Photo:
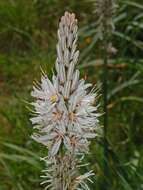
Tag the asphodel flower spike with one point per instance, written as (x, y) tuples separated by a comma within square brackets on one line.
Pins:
[(66, 117)]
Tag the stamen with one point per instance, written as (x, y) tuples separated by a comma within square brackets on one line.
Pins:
[(72, 116), (57, 115), (54, 98)]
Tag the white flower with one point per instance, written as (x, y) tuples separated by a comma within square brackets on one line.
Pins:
[(62, 173), (65, 116), (65, 113)]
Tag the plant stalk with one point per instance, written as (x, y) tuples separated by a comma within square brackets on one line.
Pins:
[(105, 94)]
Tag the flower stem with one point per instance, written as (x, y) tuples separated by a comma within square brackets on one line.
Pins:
[(105, 93)]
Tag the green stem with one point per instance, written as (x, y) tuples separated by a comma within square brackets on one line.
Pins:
[(105, 94), (105, 87)]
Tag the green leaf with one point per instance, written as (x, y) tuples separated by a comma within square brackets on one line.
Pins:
[(21, 150), (134, 4), (21, 158), (124, 183)]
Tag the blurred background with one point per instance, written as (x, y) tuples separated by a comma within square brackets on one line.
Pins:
[(28, 37)]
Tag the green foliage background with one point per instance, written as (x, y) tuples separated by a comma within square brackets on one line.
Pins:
[(27, 41)]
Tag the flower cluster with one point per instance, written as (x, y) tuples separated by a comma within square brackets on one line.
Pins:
[(105, 10), (64, 109), (65, 116), (62, 173)]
